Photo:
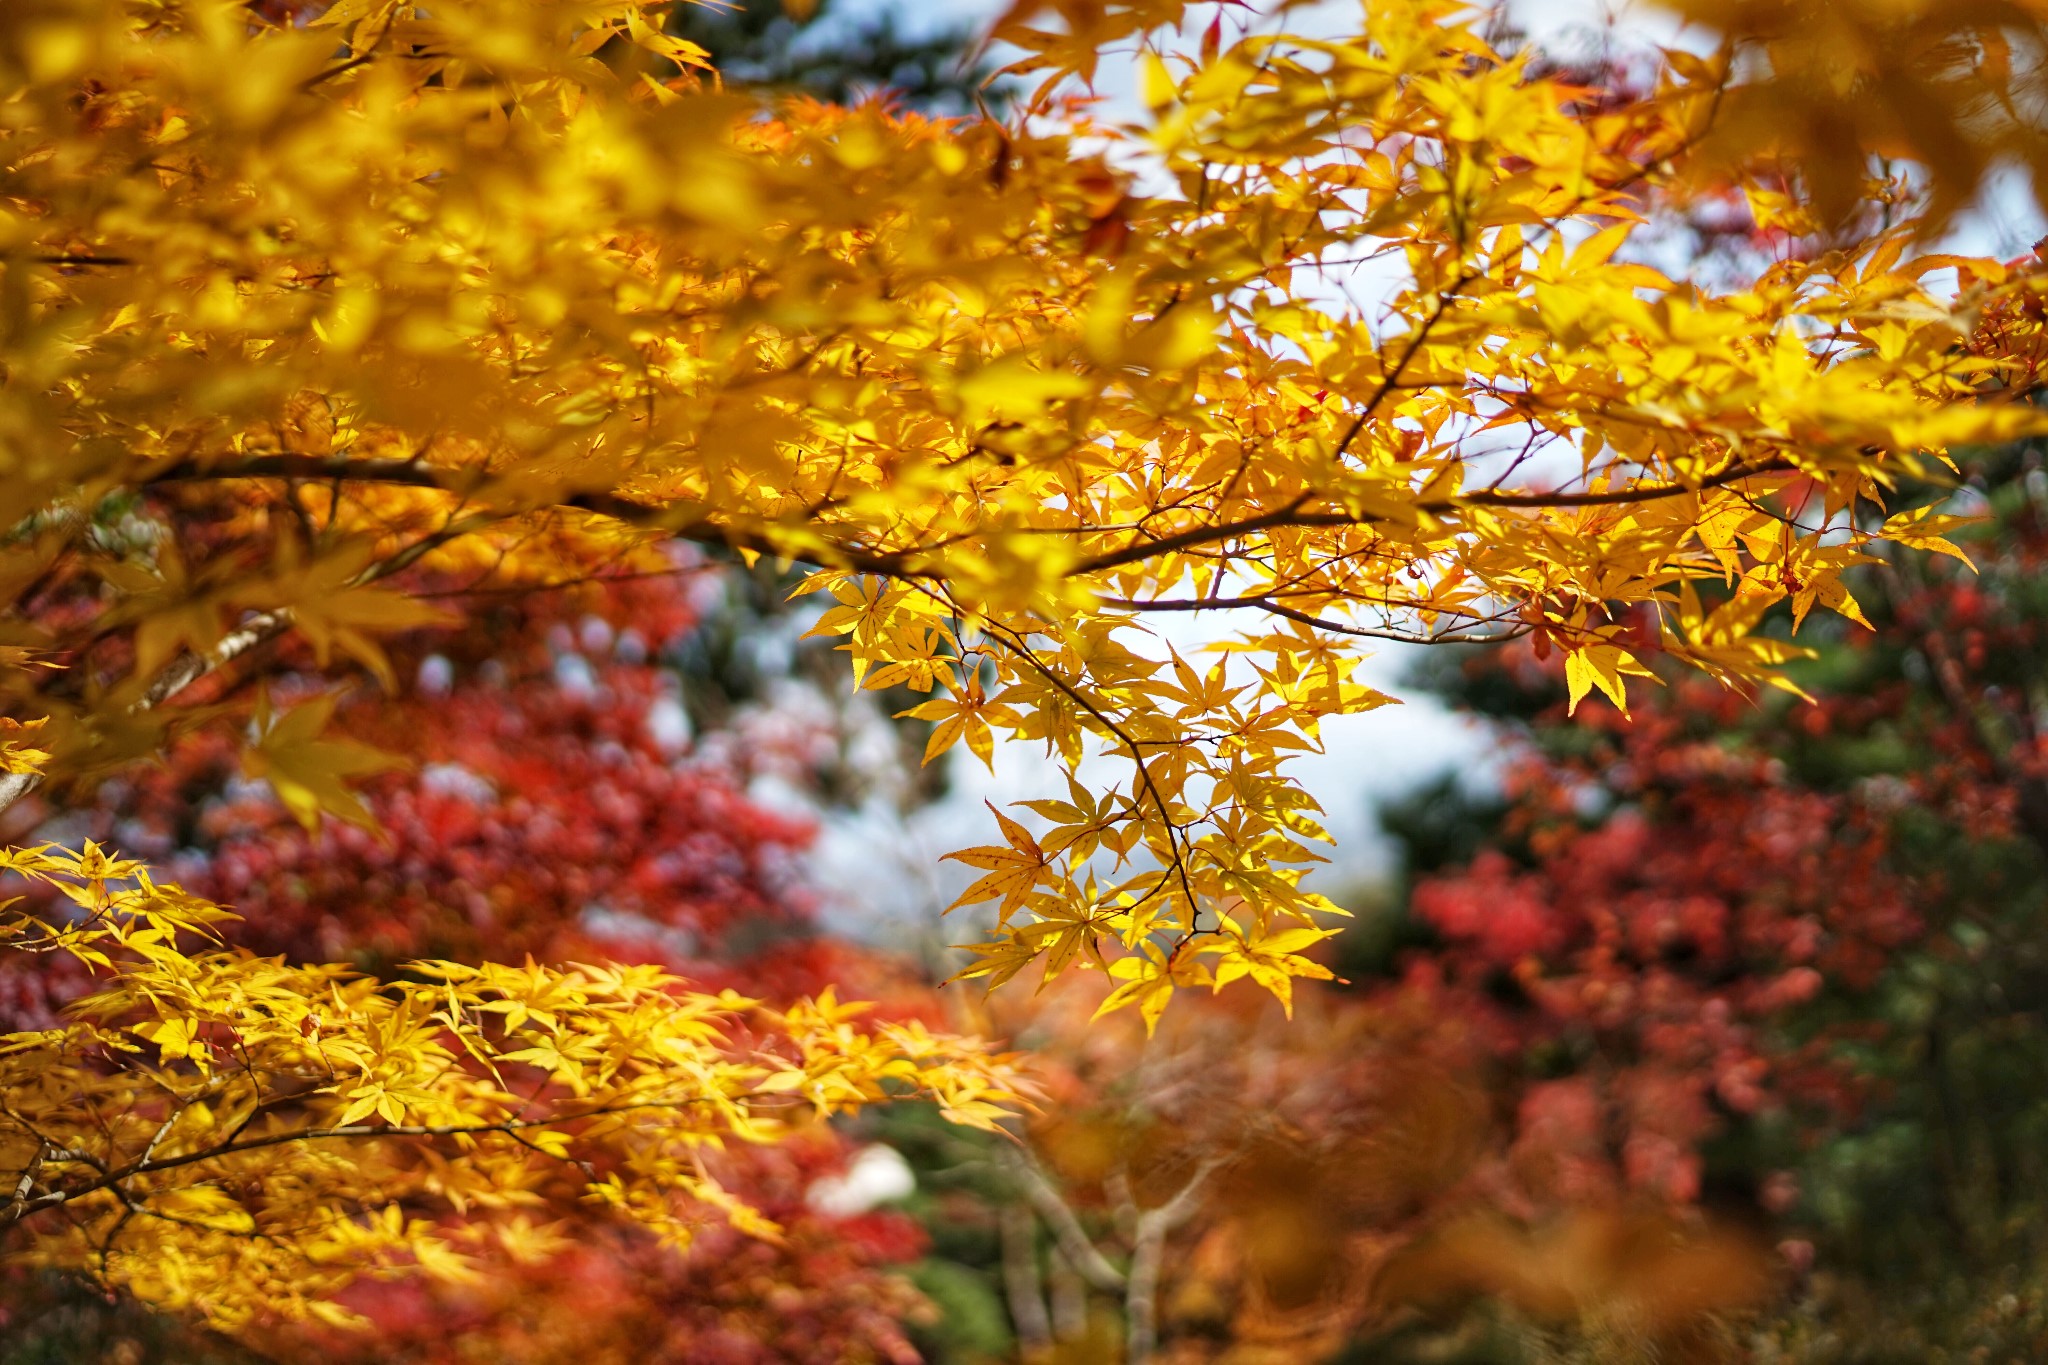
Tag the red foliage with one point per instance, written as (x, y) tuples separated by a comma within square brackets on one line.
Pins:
[(541, 819), (551, 808), (614, 1297), (1674, 940)]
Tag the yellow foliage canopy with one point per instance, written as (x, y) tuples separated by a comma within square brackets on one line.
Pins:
[(502, 287), (235, 1137)]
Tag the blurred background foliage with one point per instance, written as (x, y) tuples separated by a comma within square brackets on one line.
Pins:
[(1716, 1034)]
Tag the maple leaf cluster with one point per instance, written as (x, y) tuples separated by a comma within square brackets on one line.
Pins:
[(239, 1138), (538, 793)]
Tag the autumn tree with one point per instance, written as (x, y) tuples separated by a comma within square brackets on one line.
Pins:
[(1783, 959), (298, 317), (558, 810)]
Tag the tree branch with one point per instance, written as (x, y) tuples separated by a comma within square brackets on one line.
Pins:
[(1148, 1251), (115, 1179), (1072, 1240), (1290, 516), (182, 673), (1022, 1287), (684, 521), (692, 522)]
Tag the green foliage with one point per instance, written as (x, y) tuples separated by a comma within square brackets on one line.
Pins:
[(971, 1323), (56, 1320)]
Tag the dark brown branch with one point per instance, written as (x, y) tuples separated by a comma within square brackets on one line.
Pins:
[(1267, 604), (1392, 379), (115, 1179), (1137, 553), (693, 523), (1290, 515), (1613, 497), (684, 521)]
